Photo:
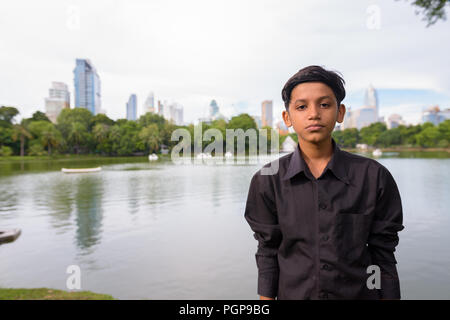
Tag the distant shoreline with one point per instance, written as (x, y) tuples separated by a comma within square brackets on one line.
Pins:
[(400, 149)]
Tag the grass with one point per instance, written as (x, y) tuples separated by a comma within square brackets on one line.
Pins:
[(50, 294)]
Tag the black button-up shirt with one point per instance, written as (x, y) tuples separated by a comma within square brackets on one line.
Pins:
[(317, 237)]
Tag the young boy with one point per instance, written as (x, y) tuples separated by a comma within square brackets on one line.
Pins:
[(327, 221)]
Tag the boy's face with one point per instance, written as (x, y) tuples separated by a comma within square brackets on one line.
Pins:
[(313, 103)]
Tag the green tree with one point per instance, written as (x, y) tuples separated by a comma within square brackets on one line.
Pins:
[(371, 133), (7, 115), (46, 133), (77, 135), (433, 10), (20, 132), (150, 136), (242, 121), (428, 137)]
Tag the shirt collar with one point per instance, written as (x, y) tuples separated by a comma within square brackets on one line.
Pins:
[(337, 164)]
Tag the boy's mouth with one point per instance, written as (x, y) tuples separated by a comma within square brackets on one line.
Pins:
[(314, 127)]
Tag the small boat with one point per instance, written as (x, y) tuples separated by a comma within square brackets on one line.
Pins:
[(81, 170), (9, 235), (204, 156), (152, 157), (377, 153), (228, 154)]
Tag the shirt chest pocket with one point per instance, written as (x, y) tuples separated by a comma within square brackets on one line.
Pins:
[(351, 233)]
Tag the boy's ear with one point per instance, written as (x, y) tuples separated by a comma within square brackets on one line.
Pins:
[(286, 118), (341, 113)]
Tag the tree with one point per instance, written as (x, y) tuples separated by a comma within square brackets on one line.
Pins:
[(242, 121), (51, 137), (7, 115), (433, 10), (39, 116), (371, 133), (100, 118), (151, 138), (46, 133), (20, 132), (77, 135)]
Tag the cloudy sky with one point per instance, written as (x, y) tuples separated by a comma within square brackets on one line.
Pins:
[(237, 52)]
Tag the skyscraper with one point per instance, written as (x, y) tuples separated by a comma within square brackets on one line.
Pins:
[(176, 113), (266, 113), (87, 86), (371, 100), (149, 105), (132, 108), (59, 98), (160, 108), (213, 109)]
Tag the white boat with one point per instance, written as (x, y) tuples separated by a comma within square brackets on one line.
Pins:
[(152, 157), (81, 170), (228, 154), (9, 235), (203, 156), (377, 153)]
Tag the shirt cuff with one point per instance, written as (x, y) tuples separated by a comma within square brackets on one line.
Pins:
[(268, 285)]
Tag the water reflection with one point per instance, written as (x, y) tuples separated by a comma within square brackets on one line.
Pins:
[(89, 213)]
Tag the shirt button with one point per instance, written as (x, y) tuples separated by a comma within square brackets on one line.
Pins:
[(322, 206), (326, 267), (325, 238)]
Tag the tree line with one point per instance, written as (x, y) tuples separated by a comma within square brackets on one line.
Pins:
[(425, 135), (77, 131)]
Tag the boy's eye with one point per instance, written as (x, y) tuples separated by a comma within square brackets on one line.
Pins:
[(301, 107), (325, 105)]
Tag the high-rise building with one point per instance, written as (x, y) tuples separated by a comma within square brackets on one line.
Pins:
[(266, 113), (149, 105), (58, 99), (435, 115), (132, 108), (87, 86), (394, 121), (257, 121), (176, 113), (371, 101), (213, 109), (160, 108), (364, 116)]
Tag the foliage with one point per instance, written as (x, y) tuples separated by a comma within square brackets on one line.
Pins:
[(433, 10), (77, 131)]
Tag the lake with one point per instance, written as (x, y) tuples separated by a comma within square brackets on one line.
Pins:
[(159, 230)]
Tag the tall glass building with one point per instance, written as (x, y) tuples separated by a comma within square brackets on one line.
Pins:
[(132, 108), (87, 86)]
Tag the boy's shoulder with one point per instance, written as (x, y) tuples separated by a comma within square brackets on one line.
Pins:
[(353, 163)]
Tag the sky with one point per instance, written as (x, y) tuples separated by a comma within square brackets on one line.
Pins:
[(236, 52)]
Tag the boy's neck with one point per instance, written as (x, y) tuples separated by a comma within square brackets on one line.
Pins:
[(316, 151)]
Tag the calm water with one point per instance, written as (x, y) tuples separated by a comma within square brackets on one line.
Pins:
[(141, 230)]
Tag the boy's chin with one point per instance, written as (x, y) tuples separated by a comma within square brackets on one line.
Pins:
[(315, 137)]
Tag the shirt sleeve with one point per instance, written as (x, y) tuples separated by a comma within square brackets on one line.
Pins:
[(383, 237), (261, 215)]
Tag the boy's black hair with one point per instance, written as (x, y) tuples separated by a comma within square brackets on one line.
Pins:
[(314, 73)]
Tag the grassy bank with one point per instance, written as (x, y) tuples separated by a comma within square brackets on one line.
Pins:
[(50, 294)]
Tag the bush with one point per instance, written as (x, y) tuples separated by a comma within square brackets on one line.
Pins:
[(5, 151), (36, 149)]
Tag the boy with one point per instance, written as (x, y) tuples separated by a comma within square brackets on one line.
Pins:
[(326, 215)]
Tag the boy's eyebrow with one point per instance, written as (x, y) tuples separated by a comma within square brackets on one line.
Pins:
[(320, 98)]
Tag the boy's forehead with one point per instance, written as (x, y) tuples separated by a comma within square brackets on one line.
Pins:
[(311, 90)]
